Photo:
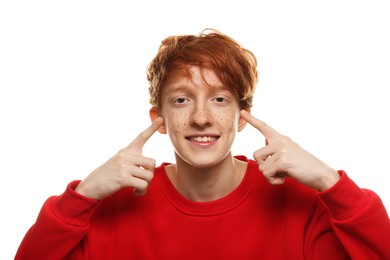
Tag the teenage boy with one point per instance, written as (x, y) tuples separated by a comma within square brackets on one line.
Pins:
[(210, 204)]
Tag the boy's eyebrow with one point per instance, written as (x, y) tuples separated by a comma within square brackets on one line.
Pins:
[(176, 87)]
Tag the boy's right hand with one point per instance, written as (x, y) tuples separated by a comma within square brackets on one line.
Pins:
[(128, 168)]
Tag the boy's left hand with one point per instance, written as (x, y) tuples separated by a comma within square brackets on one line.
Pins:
[(281, 158)]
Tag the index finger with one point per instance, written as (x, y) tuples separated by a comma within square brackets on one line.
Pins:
[(268, 132), (137, 144)]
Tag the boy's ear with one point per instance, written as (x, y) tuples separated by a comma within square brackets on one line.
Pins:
[(154, 114), (242, 122)]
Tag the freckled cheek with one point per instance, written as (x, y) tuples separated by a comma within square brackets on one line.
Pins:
[(176, 122), (227, 118)]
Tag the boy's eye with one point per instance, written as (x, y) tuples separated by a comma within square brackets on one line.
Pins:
[(180, 100), (220, 99)]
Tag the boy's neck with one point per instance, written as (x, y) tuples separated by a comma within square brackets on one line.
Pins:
[(206, 184)]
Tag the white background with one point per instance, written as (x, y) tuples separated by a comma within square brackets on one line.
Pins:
[(74, 91)]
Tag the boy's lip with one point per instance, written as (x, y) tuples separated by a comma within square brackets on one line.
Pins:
[(203, 138), (202, 135)]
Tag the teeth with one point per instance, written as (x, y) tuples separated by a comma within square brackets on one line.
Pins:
[(203, 139)]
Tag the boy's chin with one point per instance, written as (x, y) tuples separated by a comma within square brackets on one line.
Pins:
[(201, 162)]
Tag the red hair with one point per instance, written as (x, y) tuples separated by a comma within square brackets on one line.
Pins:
[(235, 66)]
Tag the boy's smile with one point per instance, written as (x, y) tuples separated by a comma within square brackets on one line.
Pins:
[(201, 116), (205, 139)]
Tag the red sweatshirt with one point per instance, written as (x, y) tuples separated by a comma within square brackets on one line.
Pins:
[(255, 221)]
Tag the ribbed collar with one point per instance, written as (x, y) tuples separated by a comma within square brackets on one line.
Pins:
[(216, 207)]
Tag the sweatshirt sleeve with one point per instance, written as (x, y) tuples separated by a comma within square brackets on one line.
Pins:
[(359, 219), (61, 225)]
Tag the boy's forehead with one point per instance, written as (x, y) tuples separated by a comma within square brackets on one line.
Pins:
[(193, 76)]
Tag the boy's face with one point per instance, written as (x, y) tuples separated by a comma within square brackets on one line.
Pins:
[(201, 118)]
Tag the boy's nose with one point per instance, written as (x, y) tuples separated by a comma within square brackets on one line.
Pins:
[(201, 117)]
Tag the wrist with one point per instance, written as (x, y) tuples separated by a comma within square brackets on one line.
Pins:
[(83, 190), (330, 179)]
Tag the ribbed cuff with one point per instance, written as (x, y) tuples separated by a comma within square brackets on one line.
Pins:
[(72, 207), (344, 199)]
